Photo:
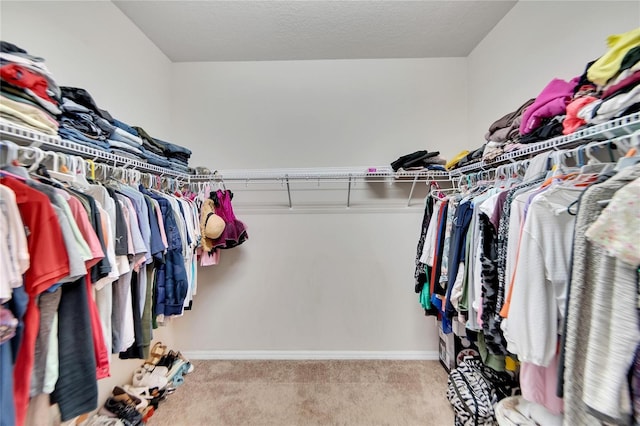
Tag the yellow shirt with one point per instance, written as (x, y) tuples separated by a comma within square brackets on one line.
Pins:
[(608, 65), (455, 160)]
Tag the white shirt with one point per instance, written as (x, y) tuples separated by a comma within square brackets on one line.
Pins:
[(14, 253), (541, 276)]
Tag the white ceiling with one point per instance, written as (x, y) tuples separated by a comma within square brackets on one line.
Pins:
[(194, 31)]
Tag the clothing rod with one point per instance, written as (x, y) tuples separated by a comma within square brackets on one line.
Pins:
[(601, 132), (317, 173), (240, 183)]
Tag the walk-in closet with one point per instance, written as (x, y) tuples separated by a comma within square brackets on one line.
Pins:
[(319, 213)]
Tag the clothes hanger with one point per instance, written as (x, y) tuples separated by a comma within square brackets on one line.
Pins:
[(8, 153), (441, 194), (501, 177), (514, 176), (594, 166), (56, 174), (38, 156), (15, 165), (149, 180), (92, 169), (104, 171), (116, 177), (80, 173), (631, 157)]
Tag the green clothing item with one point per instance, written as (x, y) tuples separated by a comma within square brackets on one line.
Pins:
[(147, 323), (497, 362), (425, 296)]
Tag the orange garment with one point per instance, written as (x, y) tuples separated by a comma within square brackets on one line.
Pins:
[(572, 122)]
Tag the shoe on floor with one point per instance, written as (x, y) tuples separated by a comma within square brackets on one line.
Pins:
[(151, 378), (123, 411), (121, 394)]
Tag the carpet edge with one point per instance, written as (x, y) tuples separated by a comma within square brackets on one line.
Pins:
[(312, 355)]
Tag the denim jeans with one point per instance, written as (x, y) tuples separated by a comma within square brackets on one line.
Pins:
[(116, 136), (7, 414), (77, 137), (170, 148), (171, 278), (124, 126), (136, 150), (155, 159), (179, 168)]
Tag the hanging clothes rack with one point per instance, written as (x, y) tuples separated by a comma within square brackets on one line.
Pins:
[(617, 127), (22, 136), (349, 175), (581, 154)]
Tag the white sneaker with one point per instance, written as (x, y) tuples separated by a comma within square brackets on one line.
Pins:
[(141, 392), (155, 378)]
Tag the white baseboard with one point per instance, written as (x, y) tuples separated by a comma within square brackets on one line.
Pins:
[(316, 355)]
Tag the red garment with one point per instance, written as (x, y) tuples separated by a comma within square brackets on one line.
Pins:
[(88, 233), (20, 76), (632, 80), (99, 346), (436, 259), (49, 259), (49, 264), (571, 121)]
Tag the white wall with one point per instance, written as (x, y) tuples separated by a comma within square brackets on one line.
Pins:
[(316, 281), (94, 46), (534, 43), (312, 282), (319, 113)]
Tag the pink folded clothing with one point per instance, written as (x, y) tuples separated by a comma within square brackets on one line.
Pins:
[(571, 121), (552, 101)]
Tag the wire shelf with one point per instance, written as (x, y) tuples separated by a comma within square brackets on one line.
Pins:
[(24, 136), (618, 127), (615, 128), (322, 173)]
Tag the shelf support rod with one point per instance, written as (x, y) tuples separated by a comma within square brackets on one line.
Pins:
[(413, 186), (349, 192), (288, 190)]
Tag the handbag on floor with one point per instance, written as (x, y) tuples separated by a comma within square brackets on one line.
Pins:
[(473, 389)]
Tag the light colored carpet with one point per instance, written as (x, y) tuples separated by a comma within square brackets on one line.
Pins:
[(288, 393)]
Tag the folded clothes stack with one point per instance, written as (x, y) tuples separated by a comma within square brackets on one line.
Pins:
[(608, 88), (29, 96), (470, 157), (82, 125), (176, 156), (503, 132), (419, 160)]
